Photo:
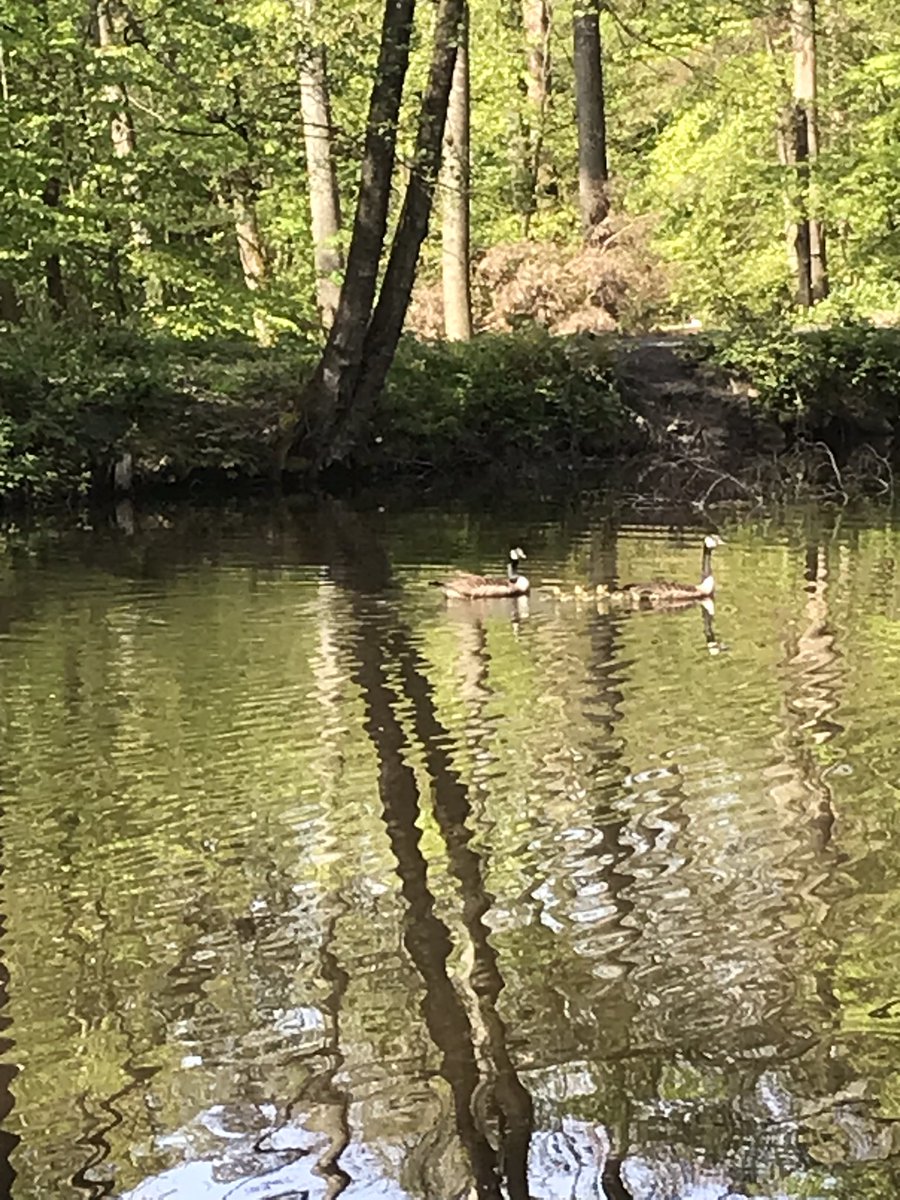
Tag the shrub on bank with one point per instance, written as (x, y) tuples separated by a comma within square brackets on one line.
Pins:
[(844, 376), (70, 407), (517, 399)]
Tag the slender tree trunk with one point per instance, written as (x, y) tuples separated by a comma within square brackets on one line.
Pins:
[(251, 250), (536, 29), (812, 277), (593, 172), (784, 142), (53, 276), (120, 122), (324, 201), (455, 232), (249, 241), (10, 306), (124, 142), (330, 390)]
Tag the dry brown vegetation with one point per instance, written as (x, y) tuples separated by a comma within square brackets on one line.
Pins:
[(616, 284)]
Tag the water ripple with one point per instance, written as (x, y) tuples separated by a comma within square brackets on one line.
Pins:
[(315, 884)]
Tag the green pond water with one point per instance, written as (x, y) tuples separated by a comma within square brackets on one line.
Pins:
[(315, 885)]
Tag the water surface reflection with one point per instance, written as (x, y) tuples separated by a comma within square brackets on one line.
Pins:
[(318, 886)]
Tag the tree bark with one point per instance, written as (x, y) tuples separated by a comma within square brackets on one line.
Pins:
[(10, 305), (249, 241), (324, 200), (124, 143), (812, 276), (329, 392), (251, 249), (593, 171), (455, 232), (386, 325), (536, 27), (784, 141), (120, 122), (53, 276)]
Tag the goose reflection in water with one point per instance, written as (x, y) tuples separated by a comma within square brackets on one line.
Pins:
[(708, 612), (514, 609)]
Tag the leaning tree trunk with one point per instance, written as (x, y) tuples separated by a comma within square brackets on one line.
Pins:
[(593, 172), (812, 277), (324, 201), (329, 393), (455, 230), (341, 394), (386, 325)]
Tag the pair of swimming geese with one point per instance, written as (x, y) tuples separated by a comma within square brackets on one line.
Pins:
[(657, 591)]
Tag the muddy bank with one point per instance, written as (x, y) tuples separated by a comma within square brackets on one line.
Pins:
[(713, 432)]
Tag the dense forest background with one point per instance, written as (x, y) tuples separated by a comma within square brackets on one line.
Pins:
[(154, 162), (193, 171)]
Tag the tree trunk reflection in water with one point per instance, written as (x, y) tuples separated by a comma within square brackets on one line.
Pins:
[(608, 770), (383, 638), (327, 1104), (452, 809), (331, 1101), (100, 1148), (813, 675), (426, 937), (8, 1070)]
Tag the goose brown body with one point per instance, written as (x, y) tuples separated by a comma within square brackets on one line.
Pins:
[(666, 591), (465, 586)]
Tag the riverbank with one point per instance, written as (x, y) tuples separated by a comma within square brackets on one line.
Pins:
[(762, 412)]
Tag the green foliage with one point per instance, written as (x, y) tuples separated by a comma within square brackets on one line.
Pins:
[(848, 372), (721, 205), (694, 97), (72, 406), (502, 398), (148, 239), (181, 407)]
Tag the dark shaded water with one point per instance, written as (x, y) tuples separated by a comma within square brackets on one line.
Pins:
[(314, 885)]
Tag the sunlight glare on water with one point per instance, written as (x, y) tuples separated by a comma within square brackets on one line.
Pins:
[(317, 884)]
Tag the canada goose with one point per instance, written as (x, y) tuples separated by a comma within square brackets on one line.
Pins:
[(481, 587), (664, 591)]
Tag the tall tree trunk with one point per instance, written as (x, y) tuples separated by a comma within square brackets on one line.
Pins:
[(536, 29), (120, 122), (330, 390), (455, 231), (812, 277), (124, 142), (590, 108), (784, 141), (324, 200)]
